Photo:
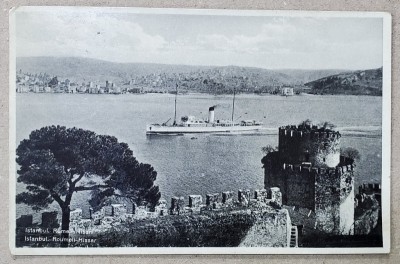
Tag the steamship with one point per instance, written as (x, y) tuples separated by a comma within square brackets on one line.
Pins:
[(191, 124)]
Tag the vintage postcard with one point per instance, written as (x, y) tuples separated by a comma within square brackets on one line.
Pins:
[(180, 131)]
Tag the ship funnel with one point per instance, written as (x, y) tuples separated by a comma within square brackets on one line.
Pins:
[(211, 114)]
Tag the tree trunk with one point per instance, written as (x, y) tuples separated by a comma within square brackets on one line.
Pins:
[(65, 226)]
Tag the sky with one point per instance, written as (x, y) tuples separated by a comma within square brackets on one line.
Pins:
[(272, 42)]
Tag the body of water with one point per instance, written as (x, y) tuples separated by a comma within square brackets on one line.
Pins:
[(206, 163)]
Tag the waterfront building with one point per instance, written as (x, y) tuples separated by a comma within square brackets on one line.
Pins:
[(287, 91)]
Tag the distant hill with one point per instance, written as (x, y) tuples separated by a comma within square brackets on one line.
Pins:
[(366, 82), (210, 79), (305, 76), (85, 69)]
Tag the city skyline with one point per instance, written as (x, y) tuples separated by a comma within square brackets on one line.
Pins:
[(271, 42)]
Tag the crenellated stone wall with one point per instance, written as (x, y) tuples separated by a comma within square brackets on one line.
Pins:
[(250, 218), (225, 200), (311, 174), (314, 144), (117, 214), (270, 229)]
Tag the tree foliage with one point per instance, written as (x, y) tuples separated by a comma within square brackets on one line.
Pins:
[(53, 81), (305, 123), (327, 125), (351, 153), (56, 162), (267, 149)]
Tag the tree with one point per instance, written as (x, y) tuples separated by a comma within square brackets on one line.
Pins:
[(267, 149), (53, 81), (305, 123), (351, 153), (56, 162), (327, 125)]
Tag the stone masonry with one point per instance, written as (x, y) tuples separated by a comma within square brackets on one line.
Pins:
[(310, 173)]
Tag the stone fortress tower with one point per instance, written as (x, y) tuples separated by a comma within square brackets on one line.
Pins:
[(311, 173)]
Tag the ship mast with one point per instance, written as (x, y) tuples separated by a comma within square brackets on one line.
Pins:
[(176, 95), (233, 103)]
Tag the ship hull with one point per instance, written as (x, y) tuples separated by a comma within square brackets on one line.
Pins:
[(158, 130)]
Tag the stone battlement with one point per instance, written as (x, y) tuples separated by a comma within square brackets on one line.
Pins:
[(116, 214), (312, 132), (219, 201), (307, 168), (370, 188), (367, 193), (320, 146)]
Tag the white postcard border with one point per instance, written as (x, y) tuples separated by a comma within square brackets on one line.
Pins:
[(386, 136)]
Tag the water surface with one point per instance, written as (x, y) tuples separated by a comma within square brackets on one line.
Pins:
[(206, 163)]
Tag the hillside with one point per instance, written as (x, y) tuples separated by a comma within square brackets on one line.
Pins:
[(209, 79), (305, 76), (80, 69), (366, 82)]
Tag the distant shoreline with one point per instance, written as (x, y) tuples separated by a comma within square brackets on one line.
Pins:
[(198, 93), (80, 75)]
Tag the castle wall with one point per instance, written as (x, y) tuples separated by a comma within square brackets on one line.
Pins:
[(327, 201), (334, 200), (298, 186), (347, 200), (229, 222), (311, 174), (270, 230), (368, 215), (326, 157), (327, 217), (217, 229), (329, 192), (347, 215), (316, 145)]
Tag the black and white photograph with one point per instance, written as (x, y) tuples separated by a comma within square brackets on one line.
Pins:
[(184, 131)]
